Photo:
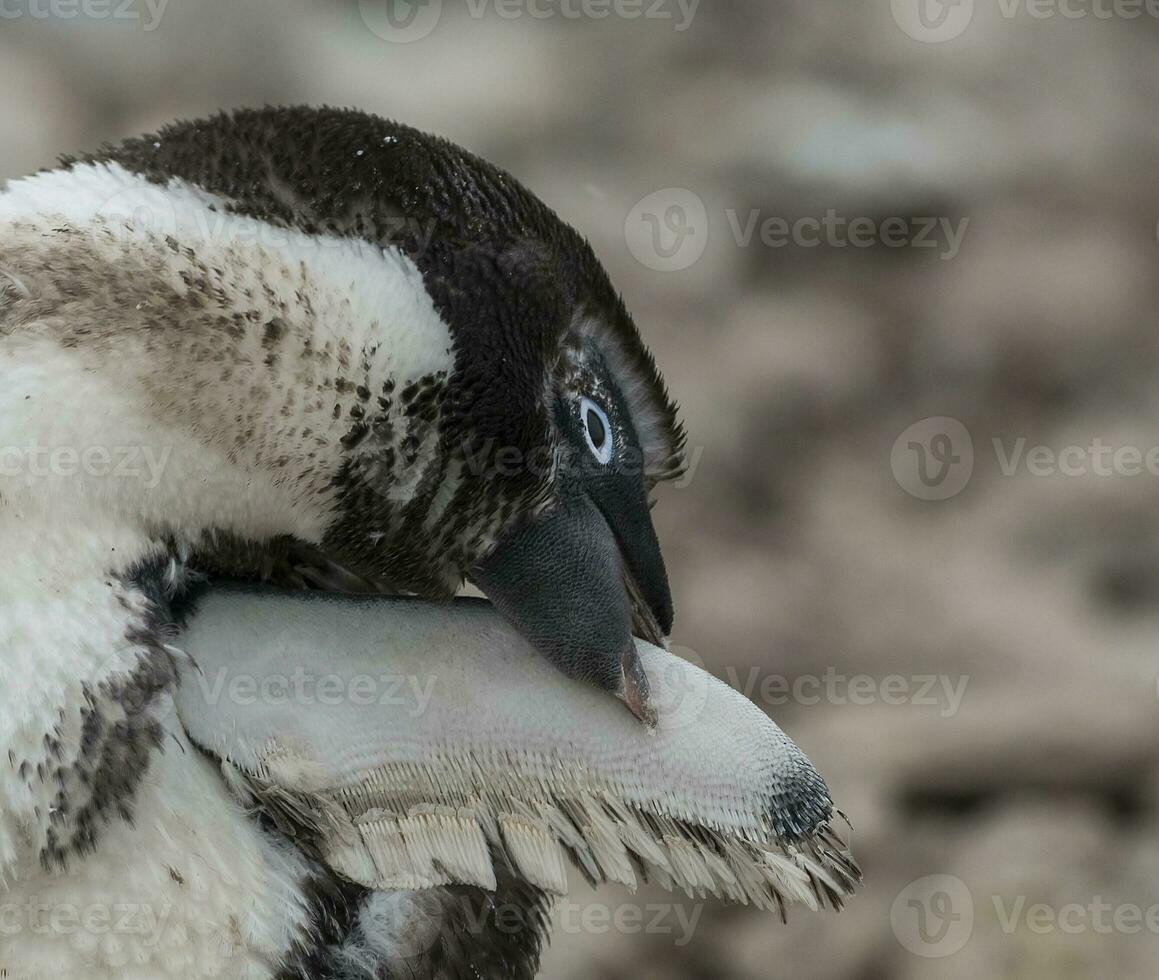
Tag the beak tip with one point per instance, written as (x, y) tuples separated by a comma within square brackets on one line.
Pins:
[(636, 690)]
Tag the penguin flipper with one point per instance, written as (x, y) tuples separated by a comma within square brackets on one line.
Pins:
[(406, 743)]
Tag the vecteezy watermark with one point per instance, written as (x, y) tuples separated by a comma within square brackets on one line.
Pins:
[(1096, 915), (933, 916), (143, 464), (833, 230), (41, 918), (933, 459), (1095, 458), (940, 691), (404, 21), (934, 21), (630, 919), (147, 12), (668, 230), (491, 460), (599, 919), (429, 910), (680, 694), (301, 687), (401, 21)]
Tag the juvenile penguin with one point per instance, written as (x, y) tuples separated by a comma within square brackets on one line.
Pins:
[(287, 339)]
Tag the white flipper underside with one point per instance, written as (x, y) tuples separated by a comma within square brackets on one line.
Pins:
[(414, 743)]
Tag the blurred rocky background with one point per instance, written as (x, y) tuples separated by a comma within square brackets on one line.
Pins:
[(834, 221)]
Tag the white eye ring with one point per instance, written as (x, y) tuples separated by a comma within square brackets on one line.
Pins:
[(603, 450)]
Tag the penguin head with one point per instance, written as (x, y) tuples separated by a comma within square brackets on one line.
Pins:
[(526, 461), (557, 414), (578, 568)]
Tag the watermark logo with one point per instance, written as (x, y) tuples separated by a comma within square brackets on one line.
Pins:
[(303, 687), (1096, 458), (134, 214), (933, 459), (401, 21), (629, 919), (492, 460), (667, 231), (933, 21), (425, 912), (677, 12), (680, 694), (1097, 916), (419, 916), (674, 920), (833, 230), (139, 922), (147, 13), (942, 692), (34, 462), (404, 21), (933, 917)]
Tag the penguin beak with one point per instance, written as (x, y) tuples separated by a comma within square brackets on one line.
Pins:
[(579, 582)]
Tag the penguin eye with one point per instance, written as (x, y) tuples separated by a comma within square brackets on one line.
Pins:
[(597, 429)]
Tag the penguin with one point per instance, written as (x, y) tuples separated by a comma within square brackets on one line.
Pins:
[(296, 342)]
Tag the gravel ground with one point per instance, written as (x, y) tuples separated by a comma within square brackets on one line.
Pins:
[(830, 229)]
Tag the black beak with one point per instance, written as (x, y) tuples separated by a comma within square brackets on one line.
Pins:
[(579, 581)]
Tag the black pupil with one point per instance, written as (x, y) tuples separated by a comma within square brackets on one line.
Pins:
[(596, 429)]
